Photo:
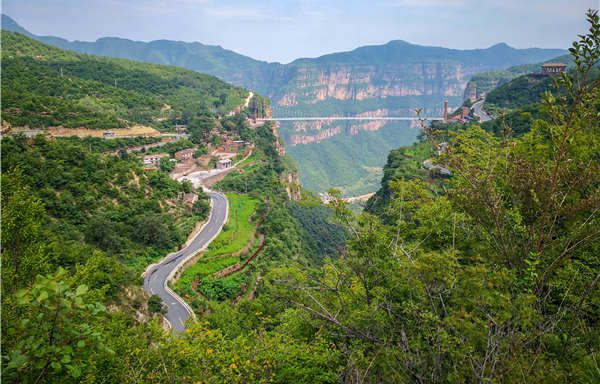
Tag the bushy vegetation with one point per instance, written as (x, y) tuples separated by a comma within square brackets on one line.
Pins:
[(403, 163), (97, 144), (92, 200), (523, 90), (237, 234), (44, 86), (491, 276), (324, 237)]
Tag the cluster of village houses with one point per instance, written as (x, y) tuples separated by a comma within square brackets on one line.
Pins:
[(221, 154)]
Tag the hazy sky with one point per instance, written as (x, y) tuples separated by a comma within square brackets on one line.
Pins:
[(287, 29)]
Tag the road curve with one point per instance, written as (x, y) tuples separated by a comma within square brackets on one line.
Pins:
[(157, 275), (479, 112)]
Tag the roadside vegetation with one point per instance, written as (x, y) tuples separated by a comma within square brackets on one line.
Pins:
[(228, 248), (488, 276)]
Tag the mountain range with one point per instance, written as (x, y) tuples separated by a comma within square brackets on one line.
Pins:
[(376, 67), (383, 80)]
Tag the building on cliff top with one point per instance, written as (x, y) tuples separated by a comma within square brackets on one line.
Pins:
[(553, 68)]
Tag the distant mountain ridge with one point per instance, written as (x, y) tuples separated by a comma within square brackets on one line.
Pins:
[(383, 80), (45, 86), (272, 78), (214, 60)]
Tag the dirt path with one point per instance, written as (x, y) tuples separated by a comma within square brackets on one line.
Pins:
[(364, 197), (247, 102)]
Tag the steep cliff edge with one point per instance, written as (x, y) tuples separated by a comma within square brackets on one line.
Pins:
[(384, 80)]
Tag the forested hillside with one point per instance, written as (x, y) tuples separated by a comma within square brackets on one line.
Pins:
[(482, 83), (44, 86), (519, 102), (390, 79), (489, 274)]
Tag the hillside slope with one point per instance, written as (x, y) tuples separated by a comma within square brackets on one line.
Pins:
[(227, 65), (482, 83), (45, 86), (386, 80)]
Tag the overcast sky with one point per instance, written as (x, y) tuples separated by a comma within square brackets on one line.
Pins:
[(282, 30)]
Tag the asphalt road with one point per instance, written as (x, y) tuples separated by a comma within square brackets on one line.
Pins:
[(478, 111), (157, 275)]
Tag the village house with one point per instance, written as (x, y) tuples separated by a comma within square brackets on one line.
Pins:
[(224, 164), (185, 154), (443, 171), (154, 160), (553, 68), (442, 147), (463, 115), (180, 128)]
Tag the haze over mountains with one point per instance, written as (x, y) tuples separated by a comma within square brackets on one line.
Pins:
[(386, 80)]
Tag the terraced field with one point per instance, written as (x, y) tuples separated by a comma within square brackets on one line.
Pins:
[(233, 243)]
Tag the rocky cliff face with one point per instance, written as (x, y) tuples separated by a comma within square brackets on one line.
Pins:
[(313, 84), (385, 80), (366, 90)]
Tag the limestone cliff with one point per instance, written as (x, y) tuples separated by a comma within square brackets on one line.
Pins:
[(386, 80)]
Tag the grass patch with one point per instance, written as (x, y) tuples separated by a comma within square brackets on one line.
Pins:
[(239, 230), (236, 234), (222, 289)]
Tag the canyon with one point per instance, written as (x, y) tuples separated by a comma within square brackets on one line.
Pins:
[(390, 79)]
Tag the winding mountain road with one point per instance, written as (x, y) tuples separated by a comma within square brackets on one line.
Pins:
[(158, 275), (479, 112)]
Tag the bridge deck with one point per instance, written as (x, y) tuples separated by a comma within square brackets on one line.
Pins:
[(332, 118)]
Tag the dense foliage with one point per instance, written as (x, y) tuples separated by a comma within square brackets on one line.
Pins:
[(403, 163), (45, 86), (490, 276), (495, 280), (88, 204), (523, 90)]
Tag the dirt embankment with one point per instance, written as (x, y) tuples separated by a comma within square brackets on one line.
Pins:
[(364, 197), (134, 131)]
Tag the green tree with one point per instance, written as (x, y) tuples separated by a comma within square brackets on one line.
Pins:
[(495, 278), (22, 218), (51, 331), (166, 164), (153, 230), (155, 305)]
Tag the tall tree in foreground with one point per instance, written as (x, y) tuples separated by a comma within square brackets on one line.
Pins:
[(497, 279)]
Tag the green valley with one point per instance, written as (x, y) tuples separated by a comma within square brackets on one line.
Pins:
[(208, 255), (391, 79), (358, 158)]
